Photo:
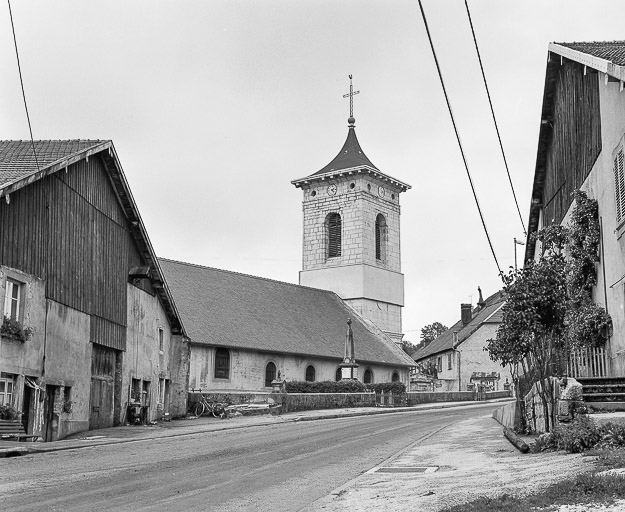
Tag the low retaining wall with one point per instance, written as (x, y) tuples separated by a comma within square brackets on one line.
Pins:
[(231, 397), (310, 401), (415, 398), (506, 415)]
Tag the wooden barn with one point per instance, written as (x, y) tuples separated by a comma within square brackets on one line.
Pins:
[(90, 336)]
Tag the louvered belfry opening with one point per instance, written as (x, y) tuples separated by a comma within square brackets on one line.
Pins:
[(380, 236), (334, 235), (619, 184)]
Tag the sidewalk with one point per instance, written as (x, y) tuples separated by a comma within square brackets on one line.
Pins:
[(193, 425)]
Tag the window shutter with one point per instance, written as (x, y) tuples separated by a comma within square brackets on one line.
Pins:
[(334, 235), (619, 184)]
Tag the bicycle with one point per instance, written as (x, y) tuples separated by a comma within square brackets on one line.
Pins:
[(205, 406)]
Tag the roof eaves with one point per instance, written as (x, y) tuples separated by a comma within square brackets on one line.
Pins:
[(349, 171), (126, 200)]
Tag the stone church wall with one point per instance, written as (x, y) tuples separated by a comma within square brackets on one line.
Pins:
[(247, 369)]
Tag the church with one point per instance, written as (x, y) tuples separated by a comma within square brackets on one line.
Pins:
[(245, 330)]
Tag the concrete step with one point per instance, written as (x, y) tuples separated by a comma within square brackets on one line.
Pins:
[(615, 406), (601, 381)]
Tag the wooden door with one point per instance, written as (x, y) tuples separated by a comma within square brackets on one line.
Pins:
[(101, 415)]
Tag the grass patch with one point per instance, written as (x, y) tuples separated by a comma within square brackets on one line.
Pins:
[(582, 489)]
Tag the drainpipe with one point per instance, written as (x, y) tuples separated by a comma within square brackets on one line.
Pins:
[(605, 298), (453, 346)]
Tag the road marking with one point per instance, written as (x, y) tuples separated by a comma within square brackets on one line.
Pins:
[(402, 469)]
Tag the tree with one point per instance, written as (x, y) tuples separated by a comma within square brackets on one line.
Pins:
[(549, 309), (408, 347), (432, 331)]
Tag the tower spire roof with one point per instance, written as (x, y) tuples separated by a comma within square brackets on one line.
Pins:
[(350, 156)]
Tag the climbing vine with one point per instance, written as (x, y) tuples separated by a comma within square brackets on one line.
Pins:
[(587, 324)]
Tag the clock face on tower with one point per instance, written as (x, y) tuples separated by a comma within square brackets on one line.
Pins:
[(332, 190), (381, 191)]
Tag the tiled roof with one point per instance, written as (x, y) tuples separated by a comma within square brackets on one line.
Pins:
[(613, 51), (350, 156), (247, 312), (17, 159), (489, 314)]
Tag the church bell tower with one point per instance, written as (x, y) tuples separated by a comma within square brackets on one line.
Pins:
[(351, 234)]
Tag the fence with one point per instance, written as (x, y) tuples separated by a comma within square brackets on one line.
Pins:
[(588, 362)]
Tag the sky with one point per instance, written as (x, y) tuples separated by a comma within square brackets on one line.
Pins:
[(214, 107)]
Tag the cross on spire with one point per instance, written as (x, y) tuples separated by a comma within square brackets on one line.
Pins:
[(351, 95)]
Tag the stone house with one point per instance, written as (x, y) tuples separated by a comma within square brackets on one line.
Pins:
[(581, 145), (247, 330), (458, 354), (90, 327)]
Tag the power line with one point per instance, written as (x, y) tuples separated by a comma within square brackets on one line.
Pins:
[(503, 154), (19, 68), (453, 122)]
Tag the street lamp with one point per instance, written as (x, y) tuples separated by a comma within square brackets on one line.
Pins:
[(516, 242)]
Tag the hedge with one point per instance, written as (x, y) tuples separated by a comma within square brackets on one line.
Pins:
[(343, 386)]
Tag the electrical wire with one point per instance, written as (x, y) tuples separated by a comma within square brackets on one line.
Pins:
[(453, 122), (19, 69), (492, 110)]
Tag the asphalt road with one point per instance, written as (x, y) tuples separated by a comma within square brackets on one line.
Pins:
[(280, 467)]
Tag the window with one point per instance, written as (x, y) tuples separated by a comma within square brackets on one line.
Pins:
[(222, 364), (333, 229), (449, 361), (619, 183), (12, 299), (368, 376), (310, 373), (380, 237), (338, 375), (395, 377), (270, 374), (160, 339), (6, 390), (439, 363)]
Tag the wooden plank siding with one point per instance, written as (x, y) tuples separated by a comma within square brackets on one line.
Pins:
[(69, 229), (576, 138)]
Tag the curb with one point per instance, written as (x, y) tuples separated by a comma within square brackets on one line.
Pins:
[(24, 450)]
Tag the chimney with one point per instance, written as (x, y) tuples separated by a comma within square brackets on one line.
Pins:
[(465, 313)]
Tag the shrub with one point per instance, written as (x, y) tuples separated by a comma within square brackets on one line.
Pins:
[(580, 435), (15, 330), (396, 388), (8, 413), (327, 386)]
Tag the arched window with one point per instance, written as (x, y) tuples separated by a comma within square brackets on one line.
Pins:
[(310, 373), (368, 376), (395, 377), (380, 237), (270, 374), (338, 375), (222, 364), (333, 230)]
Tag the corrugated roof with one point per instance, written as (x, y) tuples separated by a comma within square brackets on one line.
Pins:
[(350, 156), (489, 314), (613, 51), (235, 310), (17, 159)]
